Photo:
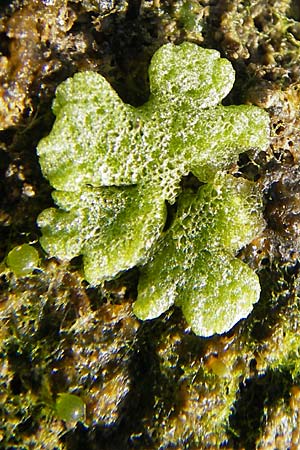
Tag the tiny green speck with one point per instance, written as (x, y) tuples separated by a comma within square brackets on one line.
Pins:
[(70, 407)]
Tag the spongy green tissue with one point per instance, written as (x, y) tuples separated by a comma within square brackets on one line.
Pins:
[(114, 167)]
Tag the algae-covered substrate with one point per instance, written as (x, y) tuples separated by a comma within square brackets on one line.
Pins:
[(78, 368)]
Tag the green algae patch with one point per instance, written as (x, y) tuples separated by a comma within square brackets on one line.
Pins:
[(114, 167)]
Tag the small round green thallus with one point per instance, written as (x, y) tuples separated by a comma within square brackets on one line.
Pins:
[(22, 260), (70, 408)]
